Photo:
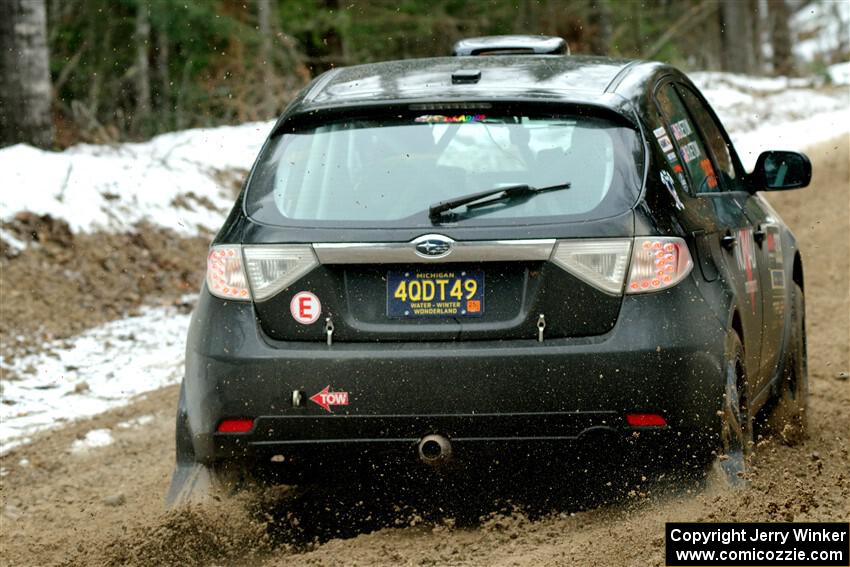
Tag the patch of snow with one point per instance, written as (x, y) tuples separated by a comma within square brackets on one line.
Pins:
[(136, 423), (114, 187), (102, 368), (839, 73), (93, 439), (14, 243)]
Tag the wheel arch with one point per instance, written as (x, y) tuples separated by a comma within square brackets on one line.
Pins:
[(738, 326), (797, 271)]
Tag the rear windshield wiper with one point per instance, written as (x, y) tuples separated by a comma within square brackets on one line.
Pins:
[(509, 192)]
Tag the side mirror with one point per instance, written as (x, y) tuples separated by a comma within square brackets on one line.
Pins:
[(779, 170)]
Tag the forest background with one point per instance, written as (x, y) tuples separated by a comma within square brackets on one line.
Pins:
[(105, 71)]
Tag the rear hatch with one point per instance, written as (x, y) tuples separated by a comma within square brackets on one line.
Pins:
[(355, 196)]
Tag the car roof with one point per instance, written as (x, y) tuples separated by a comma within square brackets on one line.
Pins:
[(579, 79)]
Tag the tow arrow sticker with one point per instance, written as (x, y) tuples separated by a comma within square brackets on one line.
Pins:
[(327, 399)]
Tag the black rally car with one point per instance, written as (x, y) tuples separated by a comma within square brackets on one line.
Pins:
[(508, 247)]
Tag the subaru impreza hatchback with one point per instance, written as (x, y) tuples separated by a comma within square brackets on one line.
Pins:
[(509, 247)]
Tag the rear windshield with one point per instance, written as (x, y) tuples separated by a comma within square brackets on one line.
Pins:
[(388, 171)]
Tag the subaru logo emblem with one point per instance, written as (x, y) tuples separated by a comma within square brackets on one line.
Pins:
[(433, 246)]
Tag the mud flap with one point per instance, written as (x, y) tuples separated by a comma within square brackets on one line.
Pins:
[(191, 483)]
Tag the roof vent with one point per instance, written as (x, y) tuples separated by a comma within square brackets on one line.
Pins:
[(511, 45)]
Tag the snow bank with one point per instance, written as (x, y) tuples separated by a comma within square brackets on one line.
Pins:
[(775, 113), (98, 370), (168, 181)]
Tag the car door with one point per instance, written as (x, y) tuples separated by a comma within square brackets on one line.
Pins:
[(764, 246), (725, 232)]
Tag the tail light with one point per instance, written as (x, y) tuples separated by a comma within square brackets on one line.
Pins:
[(601, 263), (658, 263), (258, 272), (225, 276), (272, 268)]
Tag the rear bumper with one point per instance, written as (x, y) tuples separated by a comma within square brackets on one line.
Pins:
[(664, 355)]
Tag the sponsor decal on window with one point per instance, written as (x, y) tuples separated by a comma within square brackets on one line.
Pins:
[(440, 119), (710, 178), (681, 129), (680, 174), (663, 139), (690, 151)]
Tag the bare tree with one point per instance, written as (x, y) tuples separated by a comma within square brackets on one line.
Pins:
[(737, 53), (25, 74), (780, 37), (142, 74)]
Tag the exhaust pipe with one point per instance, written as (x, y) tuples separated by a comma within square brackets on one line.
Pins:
[(434, 450)]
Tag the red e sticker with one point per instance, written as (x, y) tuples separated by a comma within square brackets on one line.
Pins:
[(305, 307)]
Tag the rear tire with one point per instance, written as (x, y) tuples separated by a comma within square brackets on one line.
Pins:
[(736, 423), (789, 419)]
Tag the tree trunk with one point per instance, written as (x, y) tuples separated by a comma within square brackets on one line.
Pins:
[(736, 26), (142, 75), (264, 20), (756, 34), (780, 37), (599, 18), (839, 54), (25, 74), (163, 102), (711, 46)]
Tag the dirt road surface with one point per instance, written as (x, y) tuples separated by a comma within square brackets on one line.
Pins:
[(104, 506)]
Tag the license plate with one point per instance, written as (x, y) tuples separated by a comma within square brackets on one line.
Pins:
[(435, 293)]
